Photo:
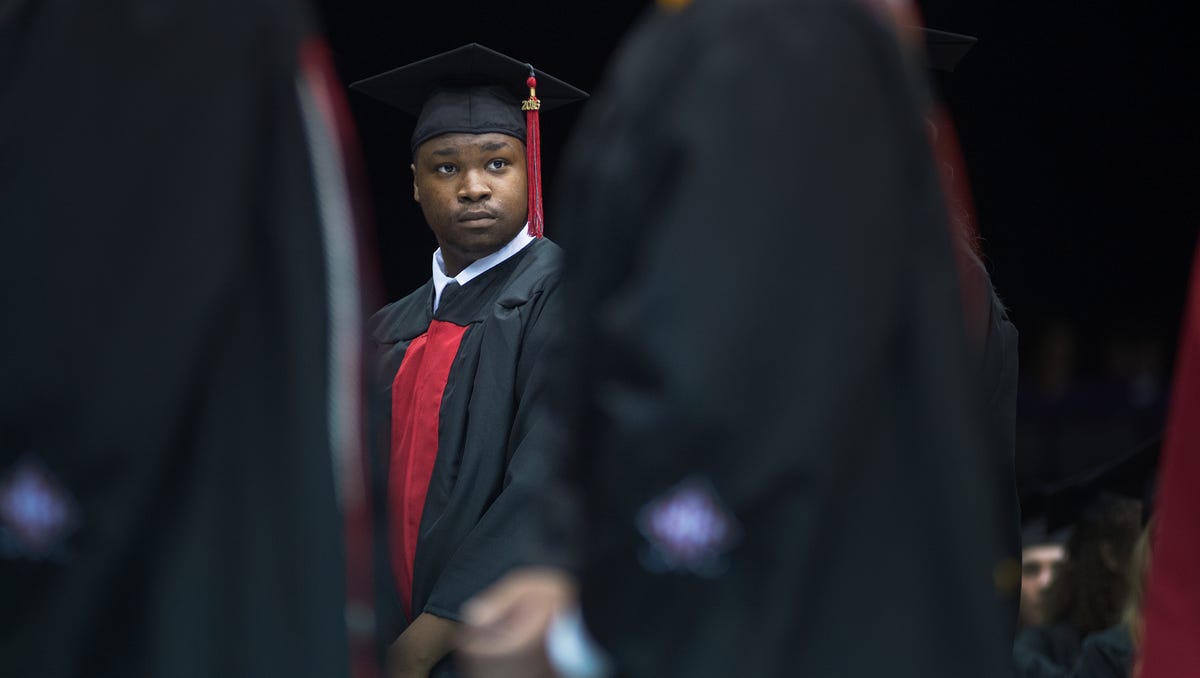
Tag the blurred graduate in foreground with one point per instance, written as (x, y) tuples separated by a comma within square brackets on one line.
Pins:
[(781, 458), (180, 415)]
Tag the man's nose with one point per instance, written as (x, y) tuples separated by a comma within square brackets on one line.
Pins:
[(474, 187)]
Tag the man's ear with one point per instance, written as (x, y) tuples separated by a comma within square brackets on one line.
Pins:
[(416, 191)]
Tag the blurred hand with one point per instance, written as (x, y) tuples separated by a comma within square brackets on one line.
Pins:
[(505, 630), (426, 640)]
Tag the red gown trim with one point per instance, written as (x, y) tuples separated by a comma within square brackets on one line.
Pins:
[(417, 393)]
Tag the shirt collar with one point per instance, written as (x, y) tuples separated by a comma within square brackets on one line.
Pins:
[(477, 267)]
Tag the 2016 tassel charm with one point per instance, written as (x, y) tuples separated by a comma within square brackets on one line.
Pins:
[(533, 157)]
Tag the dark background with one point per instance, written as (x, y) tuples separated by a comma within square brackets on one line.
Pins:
[(1075, 122)]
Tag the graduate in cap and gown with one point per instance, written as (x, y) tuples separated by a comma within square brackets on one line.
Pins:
[(460, 361), (782, 458)]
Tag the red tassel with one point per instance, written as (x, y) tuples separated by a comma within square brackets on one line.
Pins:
[(533, 158)]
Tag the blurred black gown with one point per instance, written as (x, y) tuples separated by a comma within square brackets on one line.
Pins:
[(173, 390), (766, 340)]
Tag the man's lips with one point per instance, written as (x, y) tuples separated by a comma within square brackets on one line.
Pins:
[(476, 216)]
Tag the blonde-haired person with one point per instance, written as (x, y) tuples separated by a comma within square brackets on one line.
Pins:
[(1113, 652), (1137, 595)]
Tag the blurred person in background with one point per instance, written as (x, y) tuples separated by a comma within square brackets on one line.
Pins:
[(1042, 555), (1088, 606), (1112, 653), (1089, 592)]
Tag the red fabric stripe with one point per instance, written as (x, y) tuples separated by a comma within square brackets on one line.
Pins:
[(1171, 648), (320, 80), (904, 17), (960, 209), (417, 393)]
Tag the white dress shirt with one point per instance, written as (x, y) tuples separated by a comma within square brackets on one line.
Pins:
[(477, 267)]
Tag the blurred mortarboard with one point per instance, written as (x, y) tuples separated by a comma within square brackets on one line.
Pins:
[(1036, 532), (1129, 476), (476, 90), (944, 49)]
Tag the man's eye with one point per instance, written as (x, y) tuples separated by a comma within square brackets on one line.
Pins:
[(446, 168), (497, 164)]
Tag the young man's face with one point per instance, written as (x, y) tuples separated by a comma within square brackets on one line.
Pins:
[(1038, 566), (472, 190)]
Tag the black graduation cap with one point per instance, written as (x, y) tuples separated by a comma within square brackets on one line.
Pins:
[(476, 90), (471, 89), (944, 49), (1036, 531), (1132, 475)]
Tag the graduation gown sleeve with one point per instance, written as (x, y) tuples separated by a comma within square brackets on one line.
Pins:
[(501, 538)]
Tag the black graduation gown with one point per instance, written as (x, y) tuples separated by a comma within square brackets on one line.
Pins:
[(1047, 650), (490, 429), (1107, 654), (168, 382), (1060, 651), (762, 298)]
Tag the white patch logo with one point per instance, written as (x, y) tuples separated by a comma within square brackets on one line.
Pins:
[(35, 509), (688, 530)]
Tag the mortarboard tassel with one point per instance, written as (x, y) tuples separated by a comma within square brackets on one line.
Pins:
[(533, 157)]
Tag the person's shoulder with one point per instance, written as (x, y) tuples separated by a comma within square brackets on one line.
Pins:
[(1048, 635), (1107, 653), (547, 255), (404, 318), (539, 270), (1058, 643), (1114, 643), (546, 265)]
